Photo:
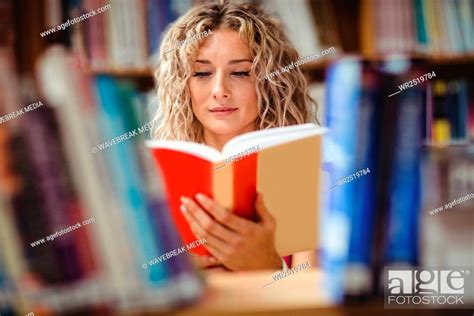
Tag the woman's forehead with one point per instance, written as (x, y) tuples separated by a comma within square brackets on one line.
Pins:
[(224, 44)]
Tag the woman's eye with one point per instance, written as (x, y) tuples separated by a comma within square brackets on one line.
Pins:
[(241, 73), (201, 74)]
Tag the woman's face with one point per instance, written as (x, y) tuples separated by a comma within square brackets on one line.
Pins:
[(223, 92)]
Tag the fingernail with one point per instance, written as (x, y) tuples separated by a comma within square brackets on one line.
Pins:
[(200, 197), (183, 208), (183, 199)]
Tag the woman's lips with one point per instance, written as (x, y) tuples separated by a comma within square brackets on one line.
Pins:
[(222, 111)]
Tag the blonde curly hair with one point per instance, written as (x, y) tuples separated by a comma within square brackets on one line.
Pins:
[(282, 100)]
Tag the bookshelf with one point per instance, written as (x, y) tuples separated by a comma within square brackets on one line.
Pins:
[(350, 26)]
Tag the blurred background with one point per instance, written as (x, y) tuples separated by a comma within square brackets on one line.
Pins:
[(93, 81)]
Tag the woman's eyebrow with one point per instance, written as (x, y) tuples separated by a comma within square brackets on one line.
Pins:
[(234, 61)]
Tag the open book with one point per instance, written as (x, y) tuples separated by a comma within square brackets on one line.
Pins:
[(282, 163)]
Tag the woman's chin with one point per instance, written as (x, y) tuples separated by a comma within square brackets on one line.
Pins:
[(227, 129), (222, 128)]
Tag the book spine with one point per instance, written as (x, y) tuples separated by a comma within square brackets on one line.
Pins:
[(128, 182), (6, 295), (41, 134), (114, 35), (368, 25), (83, 240), (153, 20), (433, 31), (382, 29), (183, 276), (360, 261), (441, 22), (453, 26), (465, 10), (96, 35), (441, 122), (12, 267), (428, 134), (470, 114), (340, 146), (297, 18), (409, 13), (404, 185), (421, 26), (462, 117), (141, 37)]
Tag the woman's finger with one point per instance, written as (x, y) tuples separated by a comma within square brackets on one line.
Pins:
[(218, 253), (200, 232), (211, 226), (222, 215)]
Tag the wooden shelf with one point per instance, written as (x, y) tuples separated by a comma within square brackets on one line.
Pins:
[(122, 72), (435, 60), (452, 144)]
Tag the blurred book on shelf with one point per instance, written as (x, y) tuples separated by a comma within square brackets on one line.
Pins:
[(447, 238), (380, 219), (299, 24), (311, 26), (317, 92), (126, 35), (7, 297), (435, 28), (450, 113)]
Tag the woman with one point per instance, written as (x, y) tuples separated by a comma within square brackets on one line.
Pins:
[(212, 89)]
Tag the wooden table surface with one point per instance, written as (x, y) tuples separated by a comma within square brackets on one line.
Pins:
[(244, 293), (299, 294)]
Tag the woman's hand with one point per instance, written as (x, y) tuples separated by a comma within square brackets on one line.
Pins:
[(237, 243)]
